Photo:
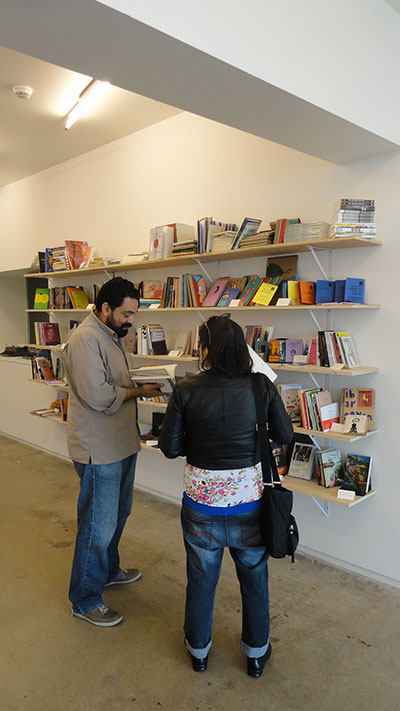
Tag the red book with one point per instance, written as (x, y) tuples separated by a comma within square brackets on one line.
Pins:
[(50, 334)]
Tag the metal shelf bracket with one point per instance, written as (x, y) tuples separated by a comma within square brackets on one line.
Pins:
[(324, 506)]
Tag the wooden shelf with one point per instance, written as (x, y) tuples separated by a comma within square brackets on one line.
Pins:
[(252, 309), (60, 347), (56, 419), (249, 253), (348, 372), (60, 386), (312, 488), (57, 311), (333, 435)]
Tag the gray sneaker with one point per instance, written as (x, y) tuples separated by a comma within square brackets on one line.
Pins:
[(101, 617), (126, 576)]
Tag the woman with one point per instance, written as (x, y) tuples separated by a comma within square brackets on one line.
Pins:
[(211, 418)]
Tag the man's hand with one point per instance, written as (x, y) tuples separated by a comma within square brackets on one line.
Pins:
[(146, 390)]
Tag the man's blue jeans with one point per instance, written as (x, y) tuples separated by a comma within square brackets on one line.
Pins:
[(104, 504), (205, 538)]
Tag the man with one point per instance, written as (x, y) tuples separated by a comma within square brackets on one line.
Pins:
[(103, 442)]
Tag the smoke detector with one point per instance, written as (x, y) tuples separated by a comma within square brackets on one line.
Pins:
[(22, 92)]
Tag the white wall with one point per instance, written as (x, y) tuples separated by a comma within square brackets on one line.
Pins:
[(185, 168), (12, 309), (340, 56)]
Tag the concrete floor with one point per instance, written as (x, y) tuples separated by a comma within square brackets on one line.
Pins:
[(335, 636)]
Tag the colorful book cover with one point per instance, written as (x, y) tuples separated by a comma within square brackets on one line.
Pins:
[(78, 297), (264, 294), (42, 297), (293, 291), (228, 296), (324, 291), (293, 346), (50, 334), (358, 401), (329, 414), (354, 290), (307, 292), (331, 467), (357, 473), (199, 286), (250, 289), (215, 292)]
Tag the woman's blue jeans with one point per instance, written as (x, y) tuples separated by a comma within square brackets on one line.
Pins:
[(205, 538), (104, 504)]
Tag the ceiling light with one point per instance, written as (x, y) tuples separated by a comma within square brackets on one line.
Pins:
[(86, 99)]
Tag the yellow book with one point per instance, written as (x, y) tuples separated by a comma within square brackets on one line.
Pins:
[(264, 294), (293, 291)]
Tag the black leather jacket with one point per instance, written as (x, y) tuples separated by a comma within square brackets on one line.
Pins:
[(211, 419)]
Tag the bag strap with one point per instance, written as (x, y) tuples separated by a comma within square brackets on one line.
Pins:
[(267, 458)]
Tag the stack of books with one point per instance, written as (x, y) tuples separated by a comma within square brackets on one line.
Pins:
[(305, 231), (353, 216), (222, 241), (259, 239), (185, 247)]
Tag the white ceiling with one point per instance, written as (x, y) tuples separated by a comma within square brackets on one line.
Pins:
[(32, 134)]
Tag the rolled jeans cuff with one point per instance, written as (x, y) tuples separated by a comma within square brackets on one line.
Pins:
[(253, 652), (198, 653)]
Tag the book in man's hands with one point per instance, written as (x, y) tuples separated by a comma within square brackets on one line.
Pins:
[(150, 374)]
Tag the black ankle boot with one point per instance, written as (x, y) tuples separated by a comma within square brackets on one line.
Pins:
[(255, 665), (199, 665)]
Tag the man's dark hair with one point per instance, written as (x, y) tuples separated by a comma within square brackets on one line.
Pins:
[(114, 292), (227, 350)]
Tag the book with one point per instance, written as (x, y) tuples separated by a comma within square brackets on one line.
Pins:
[(306, 231), (156, 338), (50, 334), (293, 346), (151, 289), (78, 296), (75, 252), (280, 227), (302, 461), (357, 474), (349, 352), (338, 290), (329, 414), (355, 424), (161, 241), (358, 401), (330, 467), (199, 289), (215, 292), (290, 399), (44, 368), (324, 291), (250, 289), (307, 292), (155, 374), (248, 227), (228, 296), (293, 291), (264, 294), (354, 290), (41, 300)]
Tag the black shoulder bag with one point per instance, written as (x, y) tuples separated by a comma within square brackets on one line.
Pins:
[(279, 529)]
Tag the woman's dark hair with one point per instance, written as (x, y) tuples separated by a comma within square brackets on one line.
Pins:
[(114, 292), (227, 350)]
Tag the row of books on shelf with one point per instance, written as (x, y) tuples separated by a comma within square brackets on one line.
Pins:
[(315, 409), (61, 297), (151, 340), (190, 290), (328, 349), (42, 369), (351, 216), (351, 472)]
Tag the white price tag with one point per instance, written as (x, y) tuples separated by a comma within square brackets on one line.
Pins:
[(154, 306), (344, 494), (235, 302)]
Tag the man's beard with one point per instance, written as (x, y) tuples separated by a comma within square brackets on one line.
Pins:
[(121, 331)]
